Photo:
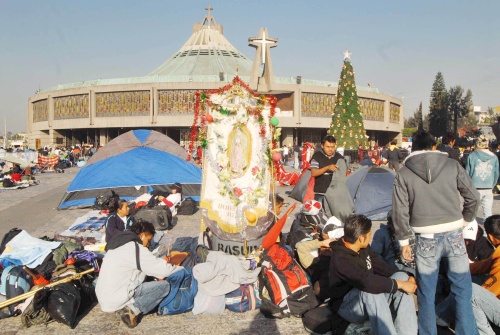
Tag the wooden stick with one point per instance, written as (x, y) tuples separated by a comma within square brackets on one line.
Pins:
[(26, 295)]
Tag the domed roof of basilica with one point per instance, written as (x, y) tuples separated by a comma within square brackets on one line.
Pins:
[(206, 53)]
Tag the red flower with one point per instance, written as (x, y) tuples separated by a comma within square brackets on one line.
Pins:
[(255, 170), (238, 192)]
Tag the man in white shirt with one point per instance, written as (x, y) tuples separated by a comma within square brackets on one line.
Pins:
[(173, 199)]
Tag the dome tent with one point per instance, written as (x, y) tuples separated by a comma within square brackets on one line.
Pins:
[(133, 163), (371, 190)]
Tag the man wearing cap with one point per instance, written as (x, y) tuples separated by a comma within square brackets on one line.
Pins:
[(324, 165), (426, 201), (482, 167)]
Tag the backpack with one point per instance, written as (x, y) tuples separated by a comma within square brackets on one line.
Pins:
[(244, 298), (8, 237), (7, 182), (283, 285), (187, 207), (183, 289), (15, 281), (106, 201)]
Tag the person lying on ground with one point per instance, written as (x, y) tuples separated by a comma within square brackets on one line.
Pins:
[(118, 220), (364, 287), (121, 287), (173, 199)]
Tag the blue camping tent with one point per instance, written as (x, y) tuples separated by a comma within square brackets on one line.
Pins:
[(371, 190), (133, 163)]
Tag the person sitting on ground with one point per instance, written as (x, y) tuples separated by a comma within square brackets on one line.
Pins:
[(274, 235), (477, 244), (118, 219), (121, 287), (314, 256), (485, 303), (385, 244), (307, 224), (17, 169), (173, 199), (364, 287)]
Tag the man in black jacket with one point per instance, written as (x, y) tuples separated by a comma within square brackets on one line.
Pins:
[(364, 287)]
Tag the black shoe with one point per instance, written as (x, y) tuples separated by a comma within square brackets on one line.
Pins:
[(128, 317)]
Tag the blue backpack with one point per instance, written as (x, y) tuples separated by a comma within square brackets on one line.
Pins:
[(15, 281), (183, 289), (244, 298)]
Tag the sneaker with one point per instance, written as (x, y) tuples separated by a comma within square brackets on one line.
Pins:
[(127, 316), (202, 253)]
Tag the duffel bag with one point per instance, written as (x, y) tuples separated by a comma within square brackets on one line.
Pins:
[(159, 216)]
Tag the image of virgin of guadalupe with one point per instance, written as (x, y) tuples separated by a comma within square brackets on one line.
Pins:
[(239, 151)]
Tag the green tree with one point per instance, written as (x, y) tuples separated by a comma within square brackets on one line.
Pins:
[(438, 108), (407, 132), (347, 122), (415, 121), (467, 122), (419, 117), (410, 122), (459, 105), (427, 121)]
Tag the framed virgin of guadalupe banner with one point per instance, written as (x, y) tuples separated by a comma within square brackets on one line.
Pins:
[(233, 126)]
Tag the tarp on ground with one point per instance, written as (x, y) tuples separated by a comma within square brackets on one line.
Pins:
[(134, 163), (371, 188)]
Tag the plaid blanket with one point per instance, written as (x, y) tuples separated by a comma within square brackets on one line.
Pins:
[(51, 161)]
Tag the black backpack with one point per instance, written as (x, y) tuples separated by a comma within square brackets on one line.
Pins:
[(104, 202), (187, 207), (7, 182)]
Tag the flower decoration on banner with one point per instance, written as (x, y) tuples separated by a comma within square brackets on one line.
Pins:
[(234, 106)]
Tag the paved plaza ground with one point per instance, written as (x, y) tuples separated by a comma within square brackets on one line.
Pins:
[(34, 209)]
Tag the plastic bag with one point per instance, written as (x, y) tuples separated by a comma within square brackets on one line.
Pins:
[(63, 302)]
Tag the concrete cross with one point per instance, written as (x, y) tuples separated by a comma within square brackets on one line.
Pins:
[(262, 42)]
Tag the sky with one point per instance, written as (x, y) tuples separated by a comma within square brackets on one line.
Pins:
[(397, 46)]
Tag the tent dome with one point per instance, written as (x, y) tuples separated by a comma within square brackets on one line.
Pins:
[(134, 163), (371, 190)]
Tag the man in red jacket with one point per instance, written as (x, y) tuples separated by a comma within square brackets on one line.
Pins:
[(364, 287)]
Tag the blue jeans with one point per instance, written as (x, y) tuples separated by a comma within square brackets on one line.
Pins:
[(149, 295), (359, 306), (486, 308), (450, 247)]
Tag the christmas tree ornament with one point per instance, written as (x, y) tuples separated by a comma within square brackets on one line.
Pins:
[(209, 118)]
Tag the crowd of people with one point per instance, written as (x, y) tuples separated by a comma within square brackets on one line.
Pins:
[(434, 247)]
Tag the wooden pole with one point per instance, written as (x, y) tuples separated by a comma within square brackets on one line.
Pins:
[(26, 295)]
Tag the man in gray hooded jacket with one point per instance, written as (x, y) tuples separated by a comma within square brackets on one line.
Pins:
[(426, 201)]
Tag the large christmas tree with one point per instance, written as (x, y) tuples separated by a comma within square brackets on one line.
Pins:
[(347, 122)]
